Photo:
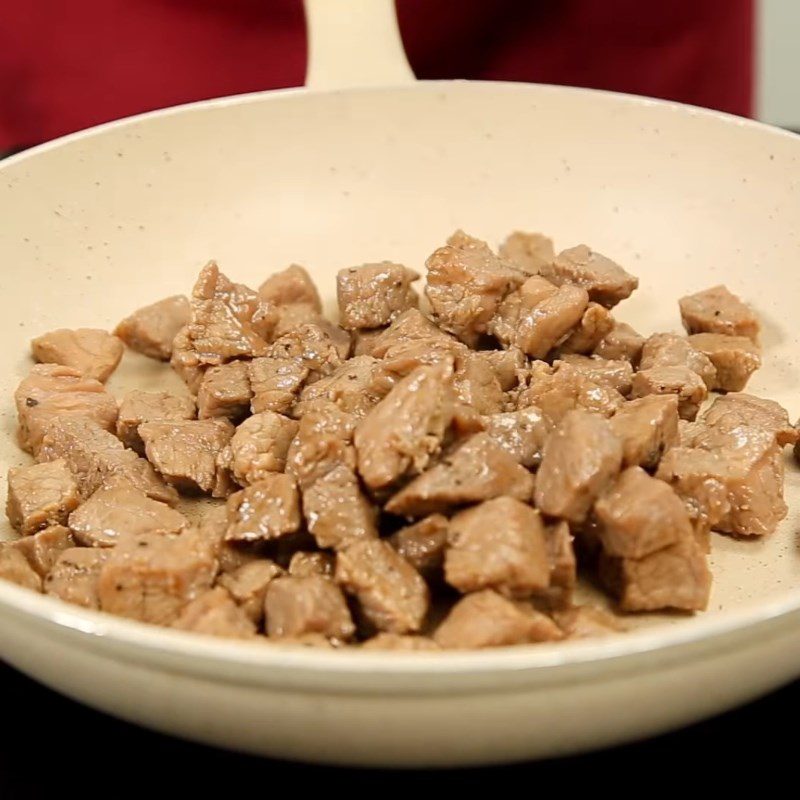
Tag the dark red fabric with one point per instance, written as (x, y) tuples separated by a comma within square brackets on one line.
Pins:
[(68, 65)]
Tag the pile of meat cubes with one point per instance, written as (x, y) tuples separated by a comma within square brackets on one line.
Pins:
[(405, 479)]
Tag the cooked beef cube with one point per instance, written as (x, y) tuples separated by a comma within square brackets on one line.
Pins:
[(735, 359), (404, 357), (259, 446), (248, 586), (111, 514), (669, 350), (499, 544), (40, 495), (617, 375), (581, 458), (587, 622), (487, 619), (562, 564), (372, 295), (647, 428), (400, 435), (729, 412), (683, 382), (153, 577), (303, 564), (476, 470), (96, 457), (185, 452), (639, 514), (310, 346), (215, 613), (292, 286), (14, 567), (528, 252), (230, 555), (267, 509), (225, 392), (476, 384), (717, 310), (623, 342), (323, 441), (42, 549), (152, 329), (391, 593), (337, 510), (410, 326), (138, 407), (596, 323), (674, 577), (94, 353), (538, 316), (364, 340), (54, 392), (355, 387), (423, 543), (400, 641), (74, 576), (185, 362), (606, 281), (466, 284), (522, 433), (562, 388), (506, 364), (298, 606), (275, 383)]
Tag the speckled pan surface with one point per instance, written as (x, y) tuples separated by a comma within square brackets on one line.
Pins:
[(100, 223)]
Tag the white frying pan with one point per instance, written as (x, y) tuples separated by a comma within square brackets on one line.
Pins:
[(365, 165)]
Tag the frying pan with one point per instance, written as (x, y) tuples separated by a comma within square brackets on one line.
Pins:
[(365, 164)]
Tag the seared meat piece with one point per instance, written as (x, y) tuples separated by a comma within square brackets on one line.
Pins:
[(54, 392), (185, 362), (267, 509), (639, 515), (399, 642), (499, 544), (112, 513), (275, 383), (230, 555), (225, 391), (528, 252), (683, 382), (215, 613), (522, 433), (587, 622), (372, 295), (466, 284), (364, 340), (311, 347), (477, 470), (298, 606), (40, 495), (248, 586), (74, 576), (606, 281), (596, 323), (400, 435), (669, 350), (15, 568), (729, 412), (717, 310), (153, 577), (292, 286), (623, 342), (185, 453), (42, 549), (323, 442), (410, 326), (506, 364), (735, 359), (259, 446), (304, 564), (647, 428), (138, 407), (423, 543), (617, 375), (404, 357), (94, 353), (96, 457), (562, 564), (151, 329), (538, 316), (476, 384), (487, 619), (581, 457), (391, 593)]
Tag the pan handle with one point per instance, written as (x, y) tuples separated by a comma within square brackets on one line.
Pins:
[(354, 43)]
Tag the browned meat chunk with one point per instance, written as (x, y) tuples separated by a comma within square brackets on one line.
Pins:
[(617, 375), (423, 543), (528, 252), (487, 619), (54, 392), (596, 323), (506, 364), (581, 457), (323, 442), (729, 412), (499, 544), (14, 567), (267, 509), (623, 342), (74, 576), (647, 428), (404, 357), (275, 383), (230, 555), (185, 453), (215, 613), (298, 606), (410, 326), (225, 392), (391, 594), (113, 513), (401, 434), (311, 347), (303, 564), (606, 281), (587, 622), (683, 382), (538, 316), (94, 353), (138, 407), (248, 586), (292, 286), (521, 434), (466, 284), (400, 641), (476, 384), (477, 470), (669, 350), (717, 310), (563, 566), (42, 549), (735, 359), (259, 446), (372, 295), (153, 577), (151, 329), (40, 495), (364, 340)]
